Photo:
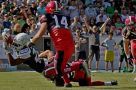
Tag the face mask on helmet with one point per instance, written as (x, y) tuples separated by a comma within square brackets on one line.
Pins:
[(52, 7), (129, 22), (21, 40)]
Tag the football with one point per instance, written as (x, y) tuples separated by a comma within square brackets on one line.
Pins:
[(7, 38)]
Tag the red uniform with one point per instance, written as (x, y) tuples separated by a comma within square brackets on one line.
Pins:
[(130, 33), (133, 49), (76, 76), (58, 27)]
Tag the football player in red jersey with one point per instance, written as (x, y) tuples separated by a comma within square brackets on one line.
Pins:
[(58, 27), (129, 36), (81, 75)]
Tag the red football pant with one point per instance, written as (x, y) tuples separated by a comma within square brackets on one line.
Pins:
[(62, 58), (133, 50)]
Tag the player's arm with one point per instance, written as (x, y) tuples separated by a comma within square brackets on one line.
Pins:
[(47, 54), (13, 61), (42, 30), (44, 54), (40, 33), (126, 42), (126, 47)]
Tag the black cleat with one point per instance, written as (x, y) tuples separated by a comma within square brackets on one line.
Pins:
[(59, 81), (68, 85), (114, 82)]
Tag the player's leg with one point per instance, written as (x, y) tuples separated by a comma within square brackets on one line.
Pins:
[(101, 83), (62, 60), (75, 66), (88, 82), (126, 61), (58, 64), (120, 62), (133, 51)]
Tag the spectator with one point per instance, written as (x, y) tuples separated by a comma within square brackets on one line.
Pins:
[(33, 27), (16, 28), (6, 22), (115, 17), (119, 26), (14, 20), (66, 11), (20, 2), (29, 2), (75, 24), (3, 9), (26, 27), (101, 18), (91, 11), (94, 42), (85, 31), (73, 8), (77, 43), (124, 15), (41, 9), (88, 2), (82, 13), (106, 4), (80, 46), (21, 20), (33, 8), (94, 46), (109, 43)]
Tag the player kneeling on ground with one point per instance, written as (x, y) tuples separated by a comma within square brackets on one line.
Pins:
[(80, 75)]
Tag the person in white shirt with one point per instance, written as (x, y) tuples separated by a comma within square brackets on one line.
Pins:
[(109, 43)]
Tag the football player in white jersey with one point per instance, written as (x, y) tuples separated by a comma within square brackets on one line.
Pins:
[(19, 53)]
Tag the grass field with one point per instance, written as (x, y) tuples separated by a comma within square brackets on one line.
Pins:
[(35, 81)]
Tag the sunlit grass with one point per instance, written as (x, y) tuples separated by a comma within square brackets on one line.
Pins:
[(35, 81)]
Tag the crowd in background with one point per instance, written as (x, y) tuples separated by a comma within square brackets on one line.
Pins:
[(87, 20)]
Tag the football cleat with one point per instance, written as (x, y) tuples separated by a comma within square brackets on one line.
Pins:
[(68, 85), (114, 82)]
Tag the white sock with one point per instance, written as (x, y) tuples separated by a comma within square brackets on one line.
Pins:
[(107, 83), (134, 68)]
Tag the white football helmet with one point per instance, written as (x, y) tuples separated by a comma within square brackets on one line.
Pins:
[(21, 40)]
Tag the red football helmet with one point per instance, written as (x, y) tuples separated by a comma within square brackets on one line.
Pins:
[(53, 6), (130, 20)]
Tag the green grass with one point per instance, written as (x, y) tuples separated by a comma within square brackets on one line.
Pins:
[(35, 81)]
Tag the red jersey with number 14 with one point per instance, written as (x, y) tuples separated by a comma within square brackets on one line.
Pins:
[(58, 27)]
